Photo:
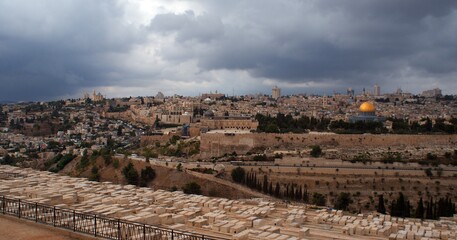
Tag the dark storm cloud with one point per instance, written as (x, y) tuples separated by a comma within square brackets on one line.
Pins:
[(354, 42), (54, 48)]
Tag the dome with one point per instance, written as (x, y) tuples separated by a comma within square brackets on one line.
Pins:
[(367, 107)]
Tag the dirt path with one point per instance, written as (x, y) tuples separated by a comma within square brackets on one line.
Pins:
[(214, 179), (229, 184), (16, 229)]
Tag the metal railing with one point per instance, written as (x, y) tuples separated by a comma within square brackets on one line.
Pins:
[(91, 224)]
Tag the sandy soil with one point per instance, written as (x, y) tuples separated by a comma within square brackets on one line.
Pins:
[(16, 229)]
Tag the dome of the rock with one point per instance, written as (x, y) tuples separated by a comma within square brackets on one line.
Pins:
[(367, 107)]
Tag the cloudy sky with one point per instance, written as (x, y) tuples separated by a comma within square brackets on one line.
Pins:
[(52, 49)]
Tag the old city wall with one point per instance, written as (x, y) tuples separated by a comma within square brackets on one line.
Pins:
[(218, 144), (151, 140)]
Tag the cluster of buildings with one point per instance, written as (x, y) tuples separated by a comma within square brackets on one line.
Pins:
[(215, 110), (69, 127), (99, 121)]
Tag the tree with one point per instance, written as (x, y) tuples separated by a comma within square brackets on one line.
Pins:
[(381, 206), (192, 188), (343, 200), (116, 163), (306, 196), (265, 184), (147, 175), (179, 167), (130, 174), (400, 207), (319, 199), (270, 189), (238, 174), (429, 211), (420, 209), (316, 151), (95, 175), (277, 190)]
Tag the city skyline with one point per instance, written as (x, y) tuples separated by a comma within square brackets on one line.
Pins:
[(49, 51)]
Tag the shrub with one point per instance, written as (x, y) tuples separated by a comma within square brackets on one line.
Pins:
[(192, 188), (316, 151), (318, 199), (116, 163), (238, 174), (95, 175), (130, 174), (147, 175)]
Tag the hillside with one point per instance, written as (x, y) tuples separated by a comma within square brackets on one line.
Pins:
[(166, 178)]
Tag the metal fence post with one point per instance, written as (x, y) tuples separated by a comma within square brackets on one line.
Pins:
[(3, 205), (19, 209), (74, 221), (36, 212), (172, 237), (118, 229), (95, 225), (144, 231), (54, 217)]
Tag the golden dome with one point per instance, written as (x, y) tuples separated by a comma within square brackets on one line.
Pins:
[(367, 107)]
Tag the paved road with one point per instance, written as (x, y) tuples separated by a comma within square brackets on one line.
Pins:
[(347, 167)]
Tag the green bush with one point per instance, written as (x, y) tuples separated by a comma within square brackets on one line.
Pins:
[(238, 174), (147, 175), (343, 201), (116, 163), (95, 175), (130, 174), (318, 199), (192, 188), (316, 151)]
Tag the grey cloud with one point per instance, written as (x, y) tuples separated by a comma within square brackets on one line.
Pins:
[(350, 41), (54, 48), (203, 28), (51, 48)]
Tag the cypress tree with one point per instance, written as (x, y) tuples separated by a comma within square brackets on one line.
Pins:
[(393, 208), (420, 209), (265, 184), (246, 181), (305, 196), (300, 194), (297, 194), (401, 205), (287, 191), (429, 211), (381, 206), (270, 189), (407, 209), (277, 190)]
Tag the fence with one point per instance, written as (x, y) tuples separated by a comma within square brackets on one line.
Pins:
[(91, 224)]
